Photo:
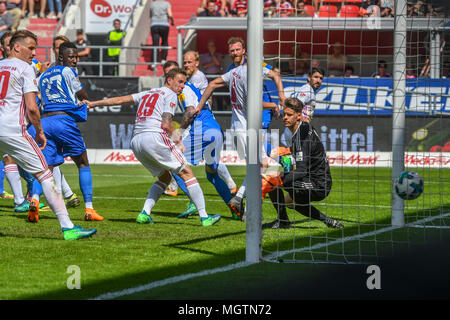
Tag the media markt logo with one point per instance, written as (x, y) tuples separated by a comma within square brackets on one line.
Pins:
[(101, 8)]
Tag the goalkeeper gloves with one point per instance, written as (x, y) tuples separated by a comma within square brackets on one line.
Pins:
[(270, 183), (287, 162)]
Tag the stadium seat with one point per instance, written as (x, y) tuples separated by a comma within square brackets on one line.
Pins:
[(328, 11), (349, 11), (309, 9)]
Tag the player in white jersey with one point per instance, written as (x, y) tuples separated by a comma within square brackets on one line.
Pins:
[(18, 103), (236, 79), (153, 145), (307, 95)]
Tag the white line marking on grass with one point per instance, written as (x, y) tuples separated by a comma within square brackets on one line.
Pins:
[(160, 283)]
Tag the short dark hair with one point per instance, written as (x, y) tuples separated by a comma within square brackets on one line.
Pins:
[(79, 31), (349, 67), (20, 35), (4, 36), (66, 45), (115, 20), (60, 37), (172, 73), (170, 63), (294, 104), (382, 64), (319, 70)]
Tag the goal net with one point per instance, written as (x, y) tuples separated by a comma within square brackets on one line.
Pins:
[(384, 97)]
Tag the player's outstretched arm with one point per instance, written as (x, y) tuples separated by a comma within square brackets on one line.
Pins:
[(276, 78), (212, 86), (273, 106), (115, 101), (34, 117)]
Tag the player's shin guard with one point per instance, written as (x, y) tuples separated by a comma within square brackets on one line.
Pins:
[(65, 188), (181, 183), (55, 199), (197, 196), (220, 186), (13, 177), (37, 190), (85, 179)]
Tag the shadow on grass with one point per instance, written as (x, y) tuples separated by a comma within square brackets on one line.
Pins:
[(210, 261)]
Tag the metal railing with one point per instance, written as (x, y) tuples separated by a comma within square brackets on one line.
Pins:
[(130, 21), (62, 21), (101, 62)]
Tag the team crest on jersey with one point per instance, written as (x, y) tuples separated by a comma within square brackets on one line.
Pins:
[(35, 82), (172, 105)]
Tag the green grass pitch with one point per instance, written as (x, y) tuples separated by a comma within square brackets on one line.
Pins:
[(123, 254)]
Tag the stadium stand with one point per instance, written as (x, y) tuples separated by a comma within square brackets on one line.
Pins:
[(44, 29), (349, 11), (182, 12), (328, 11)]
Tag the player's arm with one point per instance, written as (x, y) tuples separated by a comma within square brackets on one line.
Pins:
[(34, 117), (276, 78), (82, 94), (115, 101), (273, 106), (188, 117), (212, 86)]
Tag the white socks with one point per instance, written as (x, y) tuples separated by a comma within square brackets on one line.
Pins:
[(13, 177), (155, 192), (55, 199), (197, 197), (223, 172)]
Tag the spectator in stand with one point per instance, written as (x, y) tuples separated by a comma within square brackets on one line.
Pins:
[(6, 19), (31, 14), (299, 63), (410, 74), (115, 38), (239, 8), (51, 8), (386, 8), (221, 6), (300, 10), (210, 10), (315, 64), (284, 8), (349, 72), (13, 7), (84, 53), (211, 61), (269, 8), (336, 61), (382, 70), (160, 15)]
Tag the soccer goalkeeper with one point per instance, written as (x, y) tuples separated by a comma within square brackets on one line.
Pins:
[(310, 180)]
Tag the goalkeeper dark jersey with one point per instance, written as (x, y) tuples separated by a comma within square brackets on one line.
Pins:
[(311, 161)]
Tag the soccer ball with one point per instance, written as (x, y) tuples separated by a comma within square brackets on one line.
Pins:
[(409, 185)]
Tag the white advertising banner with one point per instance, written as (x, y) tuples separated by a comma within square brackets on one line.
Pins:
[(336, 159), (100, 14)]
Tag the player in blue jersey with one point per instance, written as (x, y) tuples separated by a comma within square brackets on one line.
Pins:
[(61, 91), (202, 140)]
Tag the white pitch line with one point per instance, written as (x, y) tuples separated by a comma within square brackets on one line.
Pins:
[(160, 283)]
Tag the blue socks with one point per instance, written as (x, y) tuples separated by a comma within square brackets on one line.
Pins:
[(28, 177), (181, 183), (220, 185), (85, 179)]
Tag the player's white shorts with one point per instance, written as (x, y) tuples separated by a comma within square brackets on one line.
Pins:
[(157, 152), (25, 152)]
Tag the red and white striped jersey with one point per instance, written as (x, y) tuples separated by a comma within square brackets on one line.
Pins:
[(16, 78), (152, 104)]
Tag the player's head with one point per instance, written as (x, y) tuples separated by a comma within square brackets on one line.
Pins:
[(169, 65), (116, 24), (23, 45), (175, 80), (191, 61), (315, 78), (292, 112), (80, 35), (68, 54), (236, 49), (57, 42), (4, 41)]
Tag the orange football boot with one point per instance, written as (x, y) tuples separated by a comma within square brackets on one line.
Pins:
[(92, 215), (33, 211)]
